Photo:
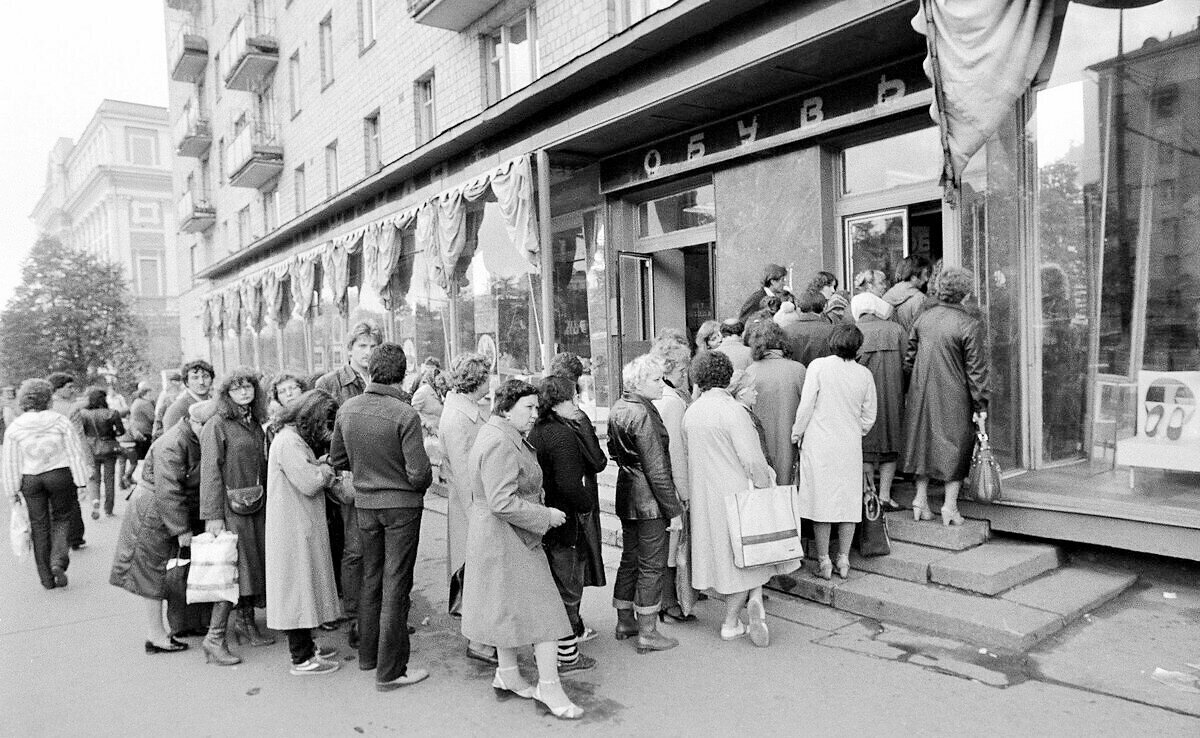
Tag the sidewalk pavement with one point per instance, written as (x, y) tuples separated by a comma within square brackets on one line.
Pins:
[(73, 663)]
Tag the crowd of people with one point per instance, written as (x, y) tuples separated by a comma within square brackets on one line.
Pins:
[(323, 481)]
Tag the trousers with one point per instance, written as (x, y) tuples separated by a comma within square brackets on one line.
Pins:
[(389, 554), (643, 558), (49, 497)]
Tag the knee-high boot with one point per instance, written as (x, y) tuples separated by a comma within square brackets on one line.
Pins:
[(244, 628), (215, 650)]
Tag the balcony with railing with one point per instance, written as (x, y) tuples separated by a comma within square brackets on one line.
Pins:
[(188, 55), (193, 133), (255, 155), (453, 15), (252, 52), (194, 213)]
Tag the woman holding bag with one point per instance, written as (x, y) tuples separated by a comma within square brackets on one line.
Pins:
[(837, 408), (102, 426), (233, 470), (724, 457)]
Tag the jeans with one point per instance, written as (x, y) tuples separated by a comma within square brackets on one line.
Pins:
[(301, 645), (352, 560), (567, 568), (75, 521), (48, 497), (103, 469), (643, 558), (389, 552)]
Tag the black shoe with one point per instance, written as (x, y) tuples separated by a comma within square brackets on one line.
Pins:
[(581, 663), (60, 576), (675, 613), (487, 657), (152, 648), (79, 546), (353, 636)]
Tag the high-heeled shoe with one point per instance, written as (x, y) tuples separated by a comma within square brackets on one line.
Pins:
[(921, 512), (825, 568), (843, 567), (568, 711), (680, 618), (951, 517), (889, 504), (504, 692)]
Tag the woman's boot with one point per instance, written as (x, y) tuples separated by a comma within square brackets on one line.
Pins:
[(246, 629), (648, 637), (215, 650), (626, 625)]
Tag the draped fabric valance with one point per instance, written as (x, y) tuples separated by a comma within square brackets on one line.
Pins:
[(441, 226), (983, 54)]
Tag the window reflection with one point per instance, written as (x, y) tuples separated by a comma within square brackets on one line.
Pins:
[(677, 212)]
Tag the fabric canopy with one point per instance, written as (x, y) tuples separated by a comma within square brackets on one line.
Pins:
[(982, 56)]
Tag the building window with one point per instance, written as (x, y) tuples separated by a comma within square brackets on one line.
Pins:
[(243, 227), (423, 100), (1165, 101), (298, 183), (326, 34), (331, 170), (632, 11), (510, 56), (145, 215), (270, 206), (366, 24), (294, 84), (149, 276), (141, 147), (371, 149)]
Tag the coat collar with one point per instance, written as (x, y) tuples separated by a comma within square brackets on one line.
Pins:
[(384, 389), (807, 317), (346, 376), (461, 403), (509, 430)]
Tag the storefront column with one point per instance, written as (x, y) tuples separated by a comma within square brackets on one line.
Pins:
[(546, 254)]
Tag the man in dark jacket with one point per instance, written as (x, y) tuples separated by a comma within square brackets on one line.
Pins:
[(773, 277), (343, 383), (646, 500), (198, 376), (809, 335), (377, 437)]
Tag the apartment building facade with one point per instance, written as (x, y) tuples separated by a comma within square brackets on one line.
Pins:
[(110, 194), (532, 176)]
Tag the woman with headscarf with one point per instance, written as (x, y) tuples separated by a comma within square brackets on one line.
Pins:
[(882, 352)]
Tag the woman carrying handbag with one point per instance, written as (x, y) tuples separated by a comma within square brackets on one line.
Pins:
[(102, 427)]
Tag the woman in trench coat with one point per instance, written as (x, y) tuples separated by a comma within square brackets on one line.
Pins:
[(725, 456), (510, 599), (882, 352), (779, 382), (836, 411), (462, 417), (299, 565), (233, 459), (947, 393)]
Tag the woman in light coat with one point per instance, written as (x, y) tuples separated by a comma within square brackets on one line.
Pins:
[(724, 456), (299, 567), (836, 410), (779, 382), (510, 600), (462, 417)]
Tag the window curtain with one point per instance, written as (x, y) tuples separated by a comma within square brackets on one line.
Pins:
[(206, 317), (251, 306), (272, 296), (233, 309), (337, 278), (983, 54), (381, 254)]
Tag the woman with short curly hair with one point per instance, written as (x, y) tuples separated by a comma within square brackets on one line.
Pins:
[(233, 477), (947, 393)]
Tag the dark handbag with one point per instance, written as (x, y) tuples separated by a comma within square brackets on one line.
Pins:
[(182, 617), (246, 500), (871, 534), (983, 481), (101, 447), (590, 548)]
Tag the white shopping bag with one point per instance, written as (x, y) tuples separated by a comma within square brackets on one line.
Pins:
[(764, 526), (213, 576), (19, 532)]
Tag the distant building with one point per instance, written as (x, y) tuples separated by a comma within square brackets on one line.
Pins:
[(110, 195)]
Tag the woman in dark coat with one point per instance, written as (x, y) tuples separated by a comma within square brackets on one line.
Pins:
[(948, 391), (646, 501), (570, 457), (102, 426), (164, 513), (233, 477), (882, 351)]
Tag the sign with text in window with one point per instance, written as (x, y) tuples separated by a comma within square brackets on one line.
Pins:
[(820, 110)]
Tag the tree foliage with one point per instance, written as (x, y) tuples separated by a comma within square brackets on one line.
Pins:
[(71, 313)]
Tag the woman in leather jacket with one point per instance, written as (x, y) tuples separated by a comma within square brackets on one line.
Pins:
[(646, 502)]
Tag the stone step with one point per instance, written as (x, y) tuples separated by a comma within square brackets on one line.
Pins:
[(993, 622), (1072, 591), (805, 584), (994, 566), (902, 527), (907, 561)]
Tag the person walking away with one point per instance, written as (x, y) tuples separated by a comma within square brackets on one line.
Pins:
[(732, 344), (461, 419), (646, 503), (342, 384), (299, 566), (510, 598), (570, 458), (837, 408), (125, 459), (233, 476), (66, 403), (947, 394), (724, 457), (808, 336), (43, 466), (198, 378), (101, 428), (377, 437), (779, 382), (882, 353), (906, 296)]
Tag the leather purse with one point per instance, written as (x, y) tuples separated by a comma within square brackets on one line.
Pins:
[(871, 535), (245, 500)]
